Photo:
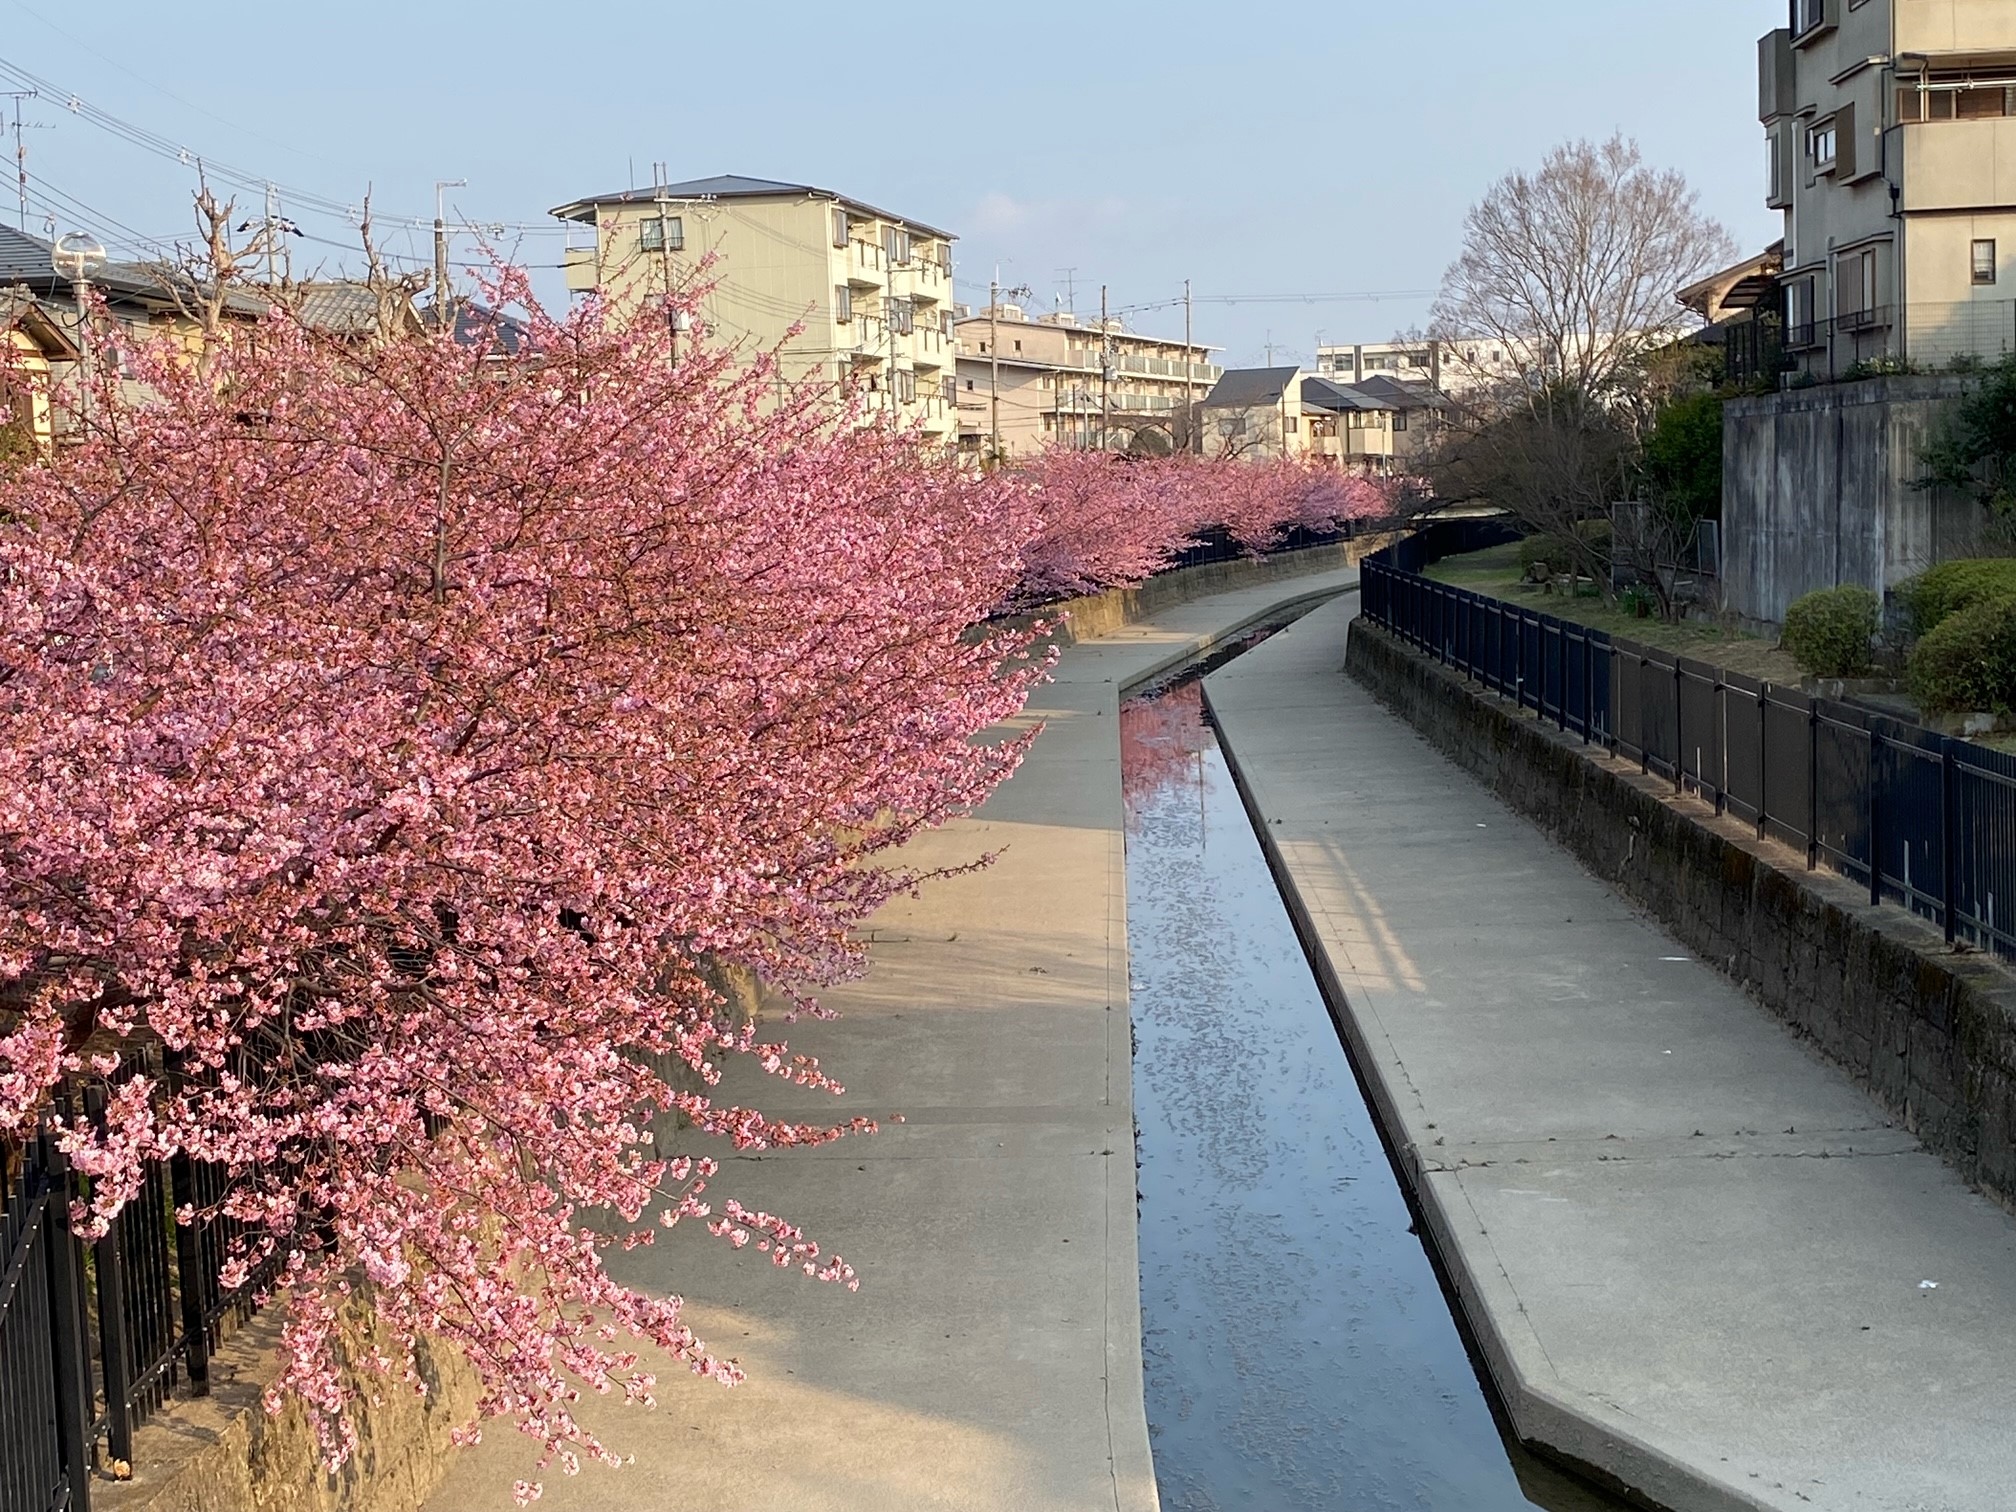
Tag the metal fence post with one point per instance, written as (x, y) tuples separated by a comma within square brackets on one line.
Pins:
[(1813, 787), (1679, 728), (192, 1282), (68, 1344), (1875, 835), (1949, 829), (1763, 758)]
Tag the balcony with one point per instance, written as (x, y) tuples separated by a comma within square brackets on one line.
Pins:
[(1777, 76), (584, 269), (1943, 26), (1959, 165)]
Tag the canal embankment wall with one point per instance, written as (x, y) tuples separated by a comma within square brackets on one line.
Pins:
[(1697, 1260), (1929, 1032)]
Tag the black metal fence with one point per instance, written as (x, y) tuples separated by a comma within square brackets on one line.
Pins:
[(96, 1338), (1924, 821)]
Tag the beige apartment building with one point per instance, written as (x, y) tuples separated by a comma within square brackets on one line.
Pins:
[(1892, 153), (1455, 368), (868, 293), (1051, 381)]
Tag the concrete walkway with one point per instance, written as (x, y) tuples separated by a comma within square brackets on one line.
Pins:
[(1692, 1251), (991, 1361)]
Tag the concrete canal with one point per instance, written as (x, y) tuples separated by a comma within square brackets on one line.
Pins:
[(1301, 1355)]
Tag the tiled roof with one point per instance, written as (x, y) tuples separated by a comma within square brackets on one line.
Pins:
[(1243, 388)]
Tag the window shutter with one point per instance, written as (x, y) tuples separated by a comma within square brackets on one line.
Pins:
[(1846, 144)]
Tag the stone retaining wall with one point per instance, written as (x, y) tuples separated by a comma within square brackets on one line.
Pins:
[(1099, 614), (1929, 1032)]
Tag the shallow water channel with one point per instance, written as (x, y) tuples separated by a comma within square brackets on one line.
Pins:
[(1301, 1356)]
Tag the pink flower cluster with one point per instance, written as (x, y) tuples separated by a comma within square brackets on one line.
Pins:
[(399, 736), (1113, 521)]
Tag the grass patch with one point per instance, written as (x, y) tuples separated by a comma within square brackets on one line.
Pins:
[(1495, 573)]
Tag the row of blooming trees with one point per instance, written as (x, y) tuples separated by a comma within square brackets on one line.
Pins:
[(396, 738)]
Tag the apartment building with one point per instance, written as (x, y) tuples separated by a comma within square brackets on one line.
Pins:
[(1284, 413), (1891, 127), (1455, 367), (854, 298), (1051, 381)]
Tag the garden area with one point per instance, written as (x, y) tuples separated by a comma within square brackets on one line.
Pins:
[(1498, 572)]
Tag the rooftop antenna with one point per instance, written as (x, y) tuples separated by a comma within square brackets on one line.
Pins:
[(1069, 275)]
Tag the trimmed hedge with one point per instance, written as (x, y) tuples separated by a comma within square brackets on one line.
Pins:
[(1828, 633), (1968, 663), (1933, 597)]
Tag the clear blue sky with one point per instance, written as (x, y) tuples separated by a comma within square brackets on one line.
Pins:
[(1327, 149)]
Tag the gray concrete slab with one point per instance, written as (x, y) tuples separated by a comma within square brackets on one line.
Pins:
[(991, 1361), (1692, 1251)]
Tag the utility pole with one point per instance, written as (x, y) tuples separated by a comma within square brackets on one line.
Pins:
[(1105, 372), (1189, 376), (21, 144), (443, 319), (994, 365)]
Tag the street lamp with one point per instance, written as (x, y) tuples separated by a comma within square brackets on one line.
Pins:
[(77, 257)]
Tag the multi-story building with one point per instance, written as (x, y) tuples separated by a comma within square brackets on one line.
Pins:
[(1271, 414), (1455, 367), (853, 299), (1050, 381), (1892, 153)]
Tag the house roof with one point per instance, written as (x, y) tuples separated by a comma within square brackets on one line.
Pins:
[(24, 260), (477, 325), (341, 307), (731, 186), (1321, 393), (1246, 388), (21, 310), (1399, 395)]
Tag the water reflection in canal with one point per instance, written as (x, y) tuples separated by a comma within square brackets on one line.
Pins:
[(1300, 1354)]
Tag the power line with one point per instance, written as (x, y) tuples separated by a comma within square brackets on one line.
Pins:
[(298, 200)]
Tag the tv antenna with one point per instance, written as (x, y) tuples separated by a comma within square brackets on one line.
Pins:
[(21, 143)]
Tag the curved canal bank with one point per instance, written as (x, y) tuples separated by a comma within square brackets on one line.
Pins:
[(1695, 1255), (1300, 1353)]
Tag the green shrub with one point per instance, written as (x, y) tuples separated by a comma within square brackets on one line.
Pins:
[(1969, 662), (1559, 554), (1828, 633), (1563, 555), (1933, 597)]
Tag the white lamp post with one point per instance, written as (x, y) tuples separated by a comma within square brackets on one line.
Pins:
[(78, 257)]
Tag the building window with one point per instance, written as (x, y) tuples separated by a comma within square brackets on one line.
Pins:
[(1400, 422), (843, 303), (949, 390), (902, 317), (1291, 424), (1807, 15), (1985, 266), (896, 245), (1822, 143), (664, 233), (840, 229), (903, 383)]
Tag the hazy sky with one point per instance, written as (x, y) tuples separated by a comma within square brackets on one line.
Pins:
[(1318, 151)]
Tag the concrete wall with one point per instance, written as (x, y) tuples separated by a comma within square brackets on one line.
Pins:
[(1817, 492), (1931, 1034), (1100, 614)]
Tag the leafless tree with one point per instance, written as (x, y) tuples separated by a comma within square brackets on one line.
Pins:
[(1570, 271)]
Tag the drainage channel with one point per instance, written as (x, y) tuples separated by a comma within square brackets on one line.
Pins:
[(1301, 1353)]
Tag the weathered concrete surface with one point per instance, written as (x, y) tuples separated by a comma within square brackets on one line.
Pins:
[(992, 1360), (1691, 1250), (1929, 1033), (1818, 490)]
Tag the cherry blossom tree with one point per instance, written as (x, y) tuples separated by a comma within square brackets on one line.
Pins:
[(398, 740)]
